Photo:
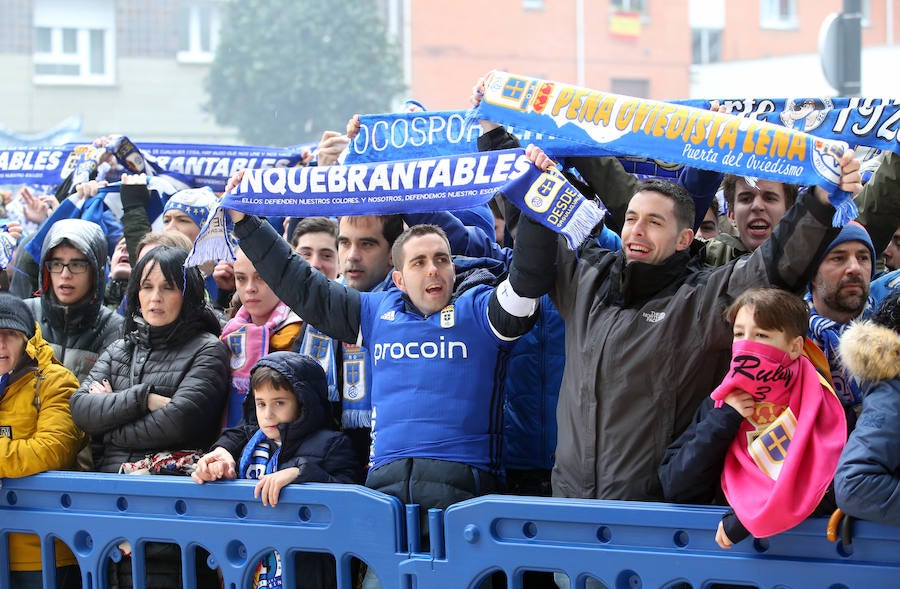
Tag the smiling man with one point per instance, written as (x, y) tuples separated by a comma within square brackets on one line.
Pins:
[(645, 338)]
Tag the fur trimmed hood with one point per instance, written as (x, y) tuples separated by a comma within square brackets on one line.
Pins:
[(871, 352)]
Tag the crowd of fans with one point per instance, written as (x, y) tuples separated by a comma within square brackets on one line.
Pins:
[(715, 341)]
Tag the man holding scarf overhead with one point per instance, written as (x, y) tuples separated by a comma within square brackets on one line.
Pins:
[(645, 338), (433, 342)]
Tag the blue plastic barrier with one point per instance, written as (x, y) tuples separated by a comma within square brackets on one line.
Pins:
[(640, 545), (622, 544), (93, 513)]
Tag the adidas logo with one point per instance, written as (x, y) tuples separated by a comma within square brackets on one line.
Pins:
[(389, 316)]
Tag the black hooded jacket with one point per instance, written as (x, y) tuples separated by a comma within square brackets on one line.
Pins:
[(322, 454)]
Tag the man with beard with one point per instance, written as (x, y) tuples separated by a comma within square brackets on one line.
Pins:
[(839, 293)]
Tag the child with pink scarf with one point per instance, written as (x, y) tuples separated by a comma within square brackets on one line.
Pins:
[(768, 439)]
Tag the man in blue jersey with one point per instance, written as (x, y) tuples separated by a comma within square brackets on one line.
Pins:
[(436, 354)]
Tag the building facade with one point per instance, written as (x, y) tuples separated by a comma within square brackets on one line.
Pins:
[(137, 66)]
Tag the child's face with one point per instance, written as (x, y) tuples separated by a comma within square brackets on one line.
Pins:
[(745, 328), (274, 406)]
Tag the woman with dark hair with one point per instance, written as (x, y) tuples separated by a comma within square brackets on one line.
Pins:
[(868, 473), (160, 389)]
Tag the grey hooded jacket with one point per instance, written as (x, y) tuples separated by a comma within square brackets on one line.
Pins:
[(77, 333)]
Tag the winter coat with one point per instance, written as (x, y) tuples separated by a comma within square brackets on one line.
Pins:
[(184, 361), (322, 454), (868, 474), (646, 343), (723, 248), (37, 434)]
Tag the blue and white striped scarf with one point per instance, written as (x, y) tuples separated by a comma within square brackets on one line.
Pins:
[(826, 334), (257, 458), (703, 139), (415, 135)]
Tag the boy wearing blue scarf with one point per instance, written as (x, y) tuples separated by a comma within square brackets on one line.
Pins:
[(284, 438)]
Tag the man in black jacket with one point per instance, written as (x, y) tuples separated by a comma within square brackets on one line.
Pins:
[(645, 339)]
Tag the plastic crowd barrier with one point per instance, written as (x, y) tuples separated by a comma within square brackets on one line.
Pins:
[(620, 544)]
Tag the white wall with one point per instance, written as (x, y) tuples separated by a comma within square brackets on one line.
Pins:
[(794, 76)]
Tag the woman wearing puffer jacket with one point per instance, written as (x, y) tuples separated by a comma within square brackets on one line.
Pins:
[(160, 389), (868, 474)]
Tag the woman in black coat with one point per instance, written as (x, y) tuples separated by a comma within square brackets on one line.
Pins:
[(159, 389)]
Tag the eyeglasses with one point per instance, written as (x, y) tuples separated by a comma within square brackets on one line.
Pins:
[(75, 266)]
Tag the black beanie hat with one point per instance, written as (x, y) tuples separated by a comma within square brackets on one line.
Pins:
[(14, 314)]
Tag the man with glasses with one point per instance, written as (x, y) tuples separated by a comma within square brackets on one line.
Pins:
[(69, 306)]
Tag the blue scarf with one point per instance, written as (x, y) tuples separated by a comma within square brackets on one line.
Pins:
[(826, 334), (416, 135), (7, 247), (700, 138), (858, 121), (419, 135), (356, 387), (316, 344), (447, 183), (256, 461), (257, 458), (193, 165), (199, 165)]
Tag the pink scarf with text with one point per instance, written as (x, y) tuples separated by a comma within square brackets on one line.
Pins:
[(784, 456)]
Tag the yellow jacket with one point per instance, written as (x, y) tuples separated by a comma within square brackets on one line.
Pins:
[(37, 434)]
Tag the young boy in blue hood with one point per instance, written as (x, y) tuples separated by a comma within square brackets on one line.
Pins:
[(284, 438)]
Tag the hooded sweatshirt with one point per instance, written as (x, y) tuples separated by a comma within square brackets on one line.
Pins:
[(77, 333)]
